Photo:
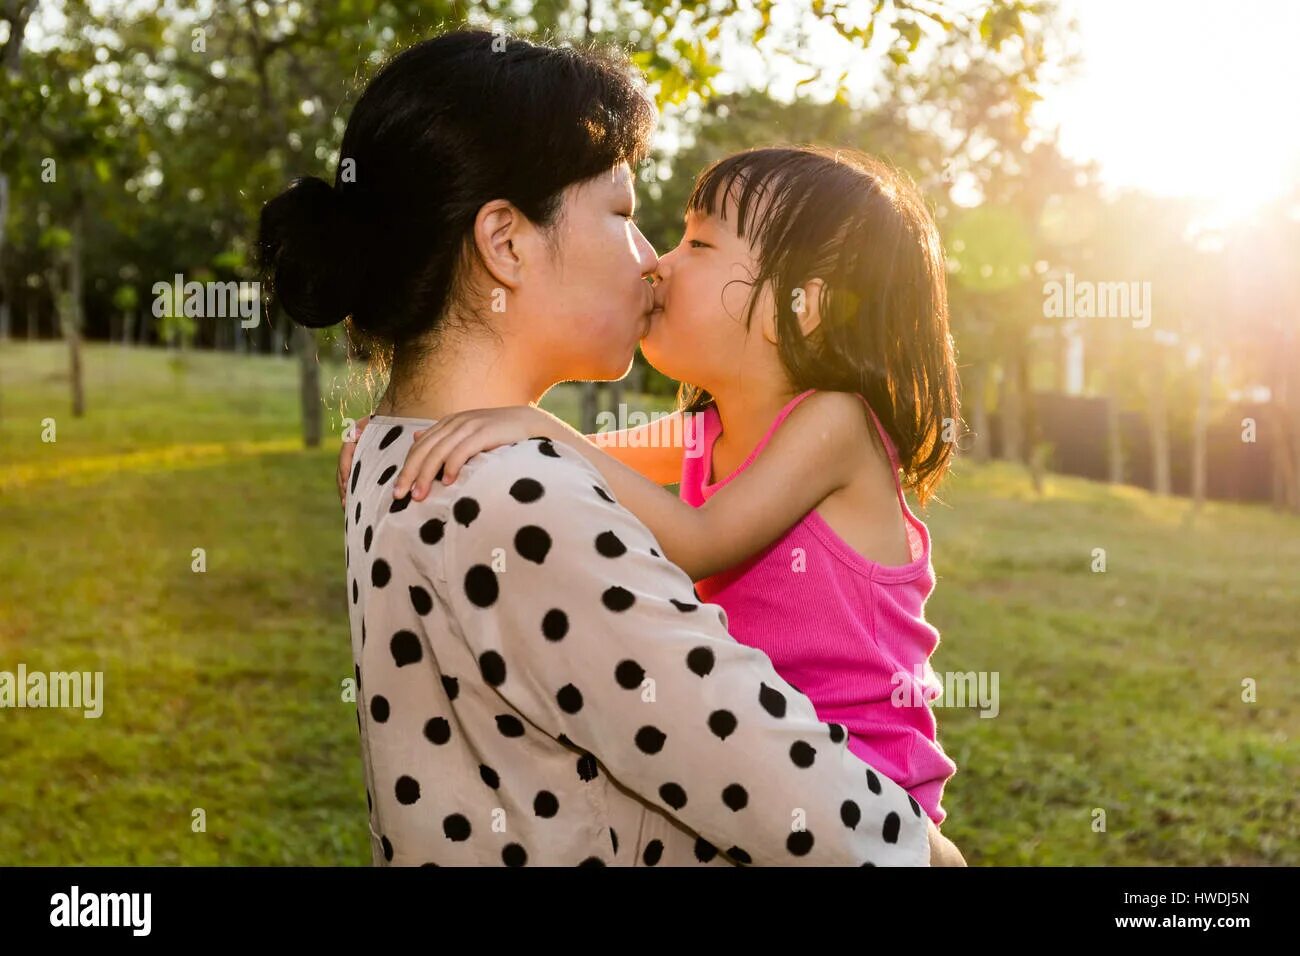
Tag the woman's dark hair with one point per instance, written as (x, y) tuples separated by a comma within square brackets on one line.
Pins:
[(446, 126), (865, 231)]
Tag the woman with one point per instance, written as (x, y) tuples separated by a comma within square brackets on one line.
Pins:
[(537, 684)]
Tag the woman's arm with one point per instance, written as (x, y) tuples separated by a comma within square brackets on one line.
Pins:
[(598, 642), (653, 450)]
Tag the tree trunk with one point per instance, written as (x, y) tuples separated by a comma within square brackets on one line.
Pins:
[(308, 386), (1010, 407), (587, 408), (1200, 429), (976, 399), (1158, 410)]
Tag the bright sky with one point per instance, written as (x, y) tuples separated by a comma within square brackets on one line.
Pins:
[(1194, 98), (1186, 98)]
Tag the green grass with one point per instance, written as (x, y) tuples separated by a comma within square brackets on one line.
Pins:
[(1119, 691)]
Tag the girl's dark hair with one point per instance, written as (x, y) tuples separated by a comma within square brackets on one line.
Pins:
[(446, 126), (865, 231)]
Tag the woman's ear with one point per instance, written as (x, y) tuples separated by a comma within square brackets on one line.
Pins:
[(497, 230)]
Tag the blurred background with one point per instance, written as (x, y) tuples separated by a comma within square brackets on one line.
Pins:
[(1118, 189)]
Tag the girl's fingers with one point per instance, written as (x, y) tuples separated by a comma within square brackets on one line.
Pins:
[(415, 457), (417, 474)]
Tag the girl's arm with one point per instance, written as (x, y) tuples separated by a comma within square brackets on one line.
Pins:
[(809, 457)]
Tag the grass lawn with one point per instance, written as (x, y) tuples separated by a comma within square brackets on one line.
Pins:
[(1118, 691)]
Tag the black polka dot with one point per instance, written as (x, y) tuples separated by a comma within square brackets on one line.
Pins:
[(510, 725), (609, 545), (739, 855), (592, 861), (514, 855), (569, 698), (700, 661), (704, 850), (379, 708), (629, 674), (356, 592), (799, 843), (735, 797), (388, 848), (654, 851), (802, 753), (673, 795), (356, 473), (603, 493), (889, 832), (837, 730), (370, 536), (489, 776), (420, 600), (456, 827), (916, 807), (451, 687), (773, 700), (617, 598), (399, 504), (358, 514), (588, 769), (407, 790), (850, 813), (555, 624), (406, 648), (682, 606), (655, 553), (465, 510), (431, 531), (650, 740), (437, 730), (380, 573), (370, 804), (526, 490), (481, 586), (545, 805), (546, 448), (532, 543), (391, 437), (722, 723), (363, 633), (493, 668), (388, 473), (873, 782), (613, 839)]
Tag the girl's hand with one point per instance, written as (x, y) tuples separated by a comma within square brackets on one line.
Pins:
[(346, 454), (441, 450)]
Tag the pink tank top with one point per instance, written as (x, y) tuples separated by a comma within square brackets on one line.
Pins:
[(848, 633)]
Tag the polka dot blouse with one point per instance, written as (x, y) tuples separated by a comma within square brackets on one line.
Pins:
[(538, 686)]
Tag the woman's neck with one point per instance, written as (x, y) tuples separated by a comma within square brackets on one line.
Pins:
[(461, 373)]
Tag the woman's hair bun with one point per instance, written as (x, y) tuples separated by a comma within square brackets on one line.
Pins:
[(302, 249)]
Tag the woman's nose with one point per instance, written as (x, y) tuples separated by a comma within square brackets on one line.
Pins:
[(646, 256)]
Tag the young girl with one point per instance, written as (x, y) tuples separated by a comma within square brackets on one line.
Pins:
[(806, 305)]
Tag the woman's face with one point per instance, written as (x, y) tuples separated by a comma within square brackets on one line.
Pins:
[(590, 297)]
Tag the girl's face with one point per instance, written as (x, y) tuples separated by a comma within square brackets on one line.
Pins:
[(697, 331)]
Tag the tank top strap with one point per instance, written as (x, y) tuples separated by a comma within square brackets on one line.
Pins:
[(889, 450), (781, 416)]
